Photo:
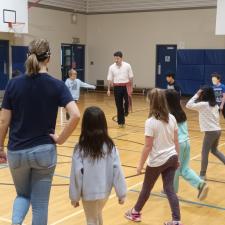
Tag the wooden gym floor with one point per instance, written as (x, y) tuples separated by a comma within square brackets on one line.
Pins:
[(130, 142)]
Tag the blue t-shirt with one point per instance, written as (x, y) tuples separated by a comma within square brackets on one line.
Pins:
[(34, 102), (219, 90)]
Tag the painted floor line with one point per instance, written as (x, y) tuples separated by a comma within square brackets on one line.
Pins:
[(186, 201), (81, 211), (7, 220)]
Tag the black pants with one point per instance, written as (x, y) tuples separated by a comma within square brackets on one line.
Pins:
[(121, 99)]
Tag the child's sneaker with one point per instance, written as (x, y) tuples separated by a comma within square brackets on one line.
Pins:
[(173, 223), (203, 191), (133, 216)]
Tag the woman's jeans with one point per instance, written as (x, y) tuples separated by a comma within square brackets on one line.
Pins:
[(32, 172)]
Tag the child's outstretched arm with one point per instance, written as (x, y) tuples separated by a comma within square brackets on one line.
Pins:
[(86, 85), (119, 181), (76, 179), (145, 152)]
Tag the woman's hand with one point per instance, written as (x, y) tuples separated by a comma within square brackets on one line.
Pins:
[(55, 138)]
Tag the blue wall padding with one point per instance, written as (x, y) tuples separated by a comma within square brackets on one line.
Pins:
[(190, 57), (190, 72), (215, 57), (194, 68), (209, 69), (189, 87)]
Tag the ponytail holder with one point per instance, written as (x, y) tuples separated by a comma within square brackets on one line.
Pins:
[(43, 56)]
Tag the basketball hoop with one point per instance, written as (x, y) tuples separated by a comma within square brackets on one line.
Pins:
[(10, 25), (17, 27)]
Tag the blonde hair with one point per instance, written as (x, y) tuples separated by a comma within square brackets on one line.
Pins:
[(158, 105), (71, 71), (39, 51)]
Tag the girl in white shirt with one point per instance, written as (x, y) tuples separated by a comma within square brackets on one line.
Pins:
[(162, 149), (204, 102)]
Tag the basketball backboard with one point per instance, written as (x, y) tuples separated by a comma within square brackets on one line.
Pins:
[(220, 18), (14, 16)]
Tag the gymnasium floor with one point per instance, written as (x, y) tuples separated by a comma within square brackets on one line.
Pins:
[(130, 142)]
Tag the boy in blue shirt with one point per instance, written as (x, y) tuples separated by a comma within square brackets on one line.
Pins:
[(219, 90)]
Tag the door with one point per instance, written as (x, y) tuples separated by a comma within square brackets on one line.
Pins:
[(79, 60), (19, 57), (66, 60), (4, 63), (73, 56), (166, 62)]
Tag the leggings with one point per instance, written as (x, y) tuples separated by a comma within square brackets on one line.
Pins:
[(210, 143), (151, 175)]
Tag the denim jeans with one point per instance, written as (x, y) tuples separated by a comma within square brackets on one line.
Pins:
[(32, 172)]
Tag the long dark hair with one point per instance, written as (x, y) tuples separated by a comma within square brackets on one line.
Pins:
[(175, 108), (207, 95), (94, 133)]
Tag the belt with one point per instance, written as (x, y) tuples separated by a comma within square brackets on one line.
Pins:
[(120, 84)]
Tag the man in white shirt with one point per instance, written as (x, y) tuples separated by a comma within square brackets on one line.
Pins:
[(119, 76)]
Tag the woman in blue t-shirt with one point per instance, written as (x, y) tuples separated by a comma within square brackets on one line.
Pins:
[(29, 110)]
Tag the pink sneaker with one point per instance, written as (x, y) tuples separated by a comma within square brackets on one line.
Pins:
[(133, 216)]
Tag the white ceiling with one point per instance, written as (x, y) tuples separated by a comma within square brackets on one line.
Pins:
[(106, 6)]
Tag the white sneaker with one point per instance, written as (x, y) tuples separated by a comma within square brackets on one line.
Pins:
[(203, 192)]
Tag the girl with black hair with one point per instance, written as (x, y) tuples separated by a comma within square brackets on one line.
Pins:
[(175, 108), (95, 167), (204, 102)]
